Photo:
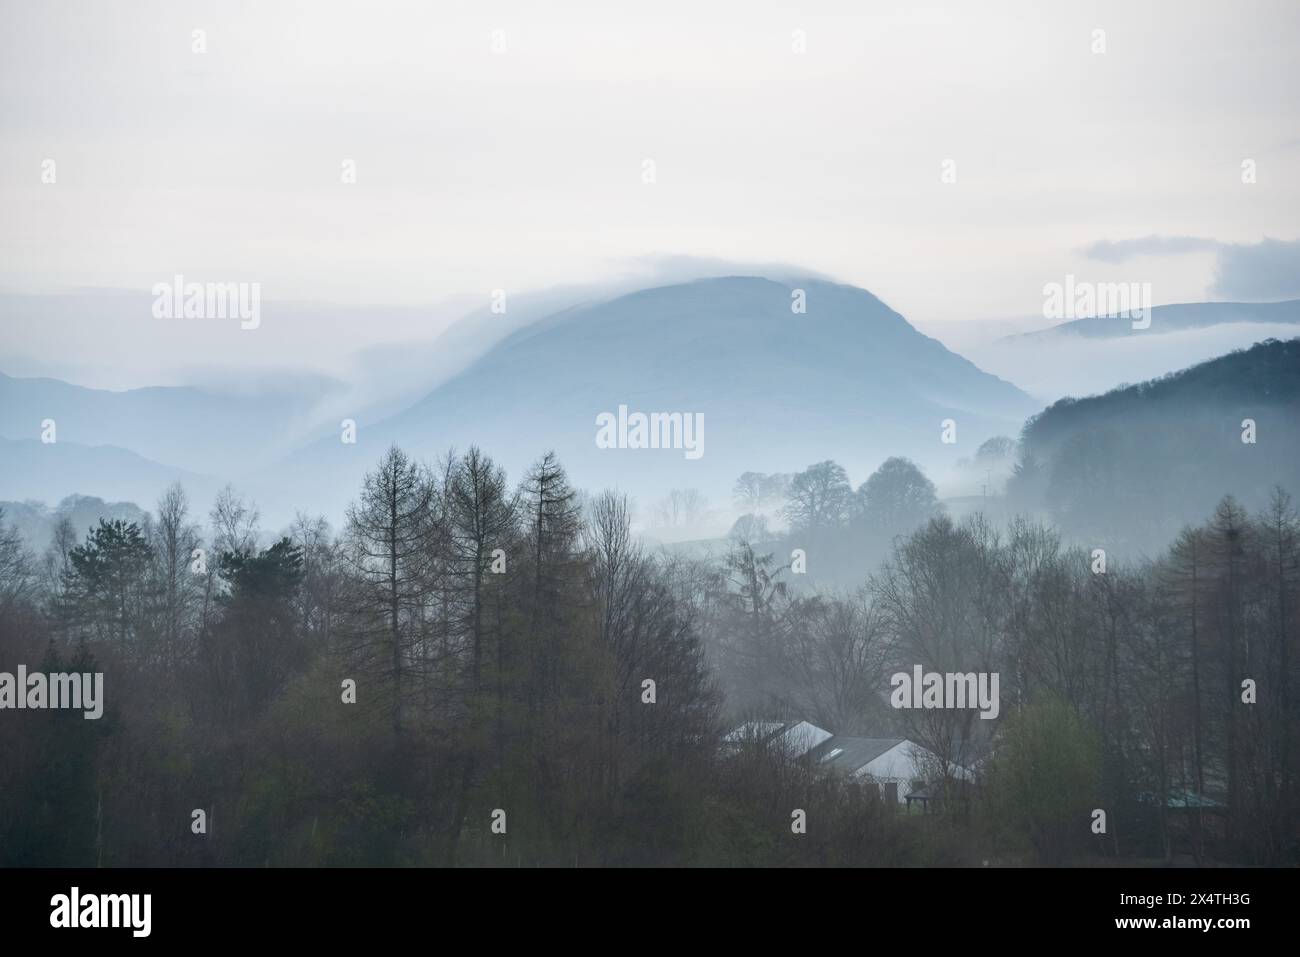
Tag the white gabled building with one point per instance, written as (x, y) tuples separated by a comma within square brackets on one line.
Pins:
[(897, 765)]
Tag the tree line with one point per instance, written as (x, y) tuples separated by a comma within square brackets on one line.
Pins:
[(1170, 680), (470, 672)]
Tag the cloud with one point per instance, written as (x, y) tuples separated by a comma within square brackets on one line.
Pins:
[(1109, 251), (1265, 271)]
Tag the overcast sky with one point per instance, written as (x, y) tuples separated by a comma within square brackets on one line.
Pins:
[(524, 168)]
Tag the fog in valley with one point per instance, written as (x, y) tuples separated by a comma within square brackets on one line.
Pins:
[(561, 440)]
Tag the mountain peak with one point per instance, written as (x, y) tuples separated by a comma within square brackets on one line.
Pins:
[(782, 372)]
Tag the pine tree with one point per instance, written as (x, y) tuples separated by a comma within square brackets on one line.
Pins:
[(388, 531)]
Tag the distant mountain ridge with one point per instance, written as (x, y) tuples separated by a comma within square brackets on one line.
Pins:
[(34, 470), (848, 379), (778, 389), (180, 426), (1176, 317)]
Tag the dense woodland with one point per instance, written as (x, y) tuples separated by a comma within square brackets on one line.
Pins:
[(500, 639), (1129, 467)]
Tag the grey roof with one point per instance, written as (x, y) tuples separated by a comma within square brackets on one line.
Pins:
[(756, 732), (798, 737), (854, 752)]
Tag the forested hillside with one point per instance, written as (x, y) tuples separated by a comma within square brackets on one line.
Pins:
[(1130, 467)]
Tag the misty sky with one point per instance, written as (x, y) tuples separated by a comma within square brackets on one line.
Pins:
[(479, 170)]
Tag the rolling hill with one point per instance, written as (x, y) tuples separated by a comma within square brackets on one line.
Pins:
[(189, 428), (850, 379), (1135, 464)]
